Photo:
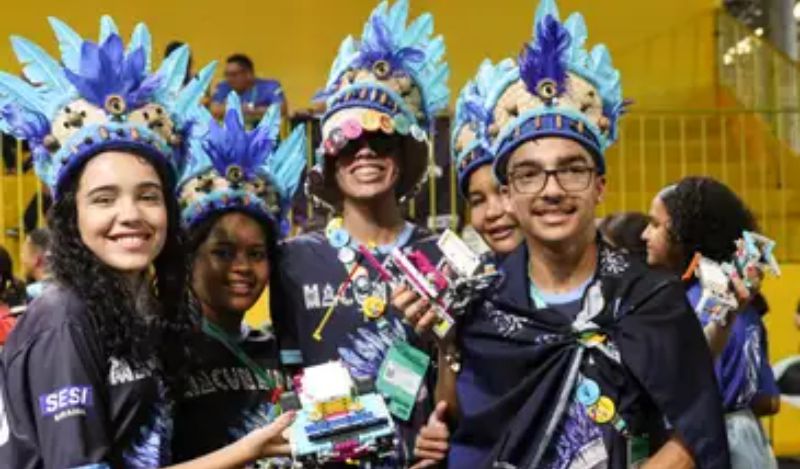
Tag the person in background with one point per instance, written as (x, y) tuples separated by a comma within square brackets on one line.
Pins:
[(328, 300), (12, 296), (236, 200), (624, 230), (255, 94), (702, 215), (473, 158), (31, 215), (34, 261)]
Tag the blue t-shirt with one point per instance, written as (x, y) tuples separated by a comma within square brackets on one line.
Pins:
[(264, 92), (743, 370)]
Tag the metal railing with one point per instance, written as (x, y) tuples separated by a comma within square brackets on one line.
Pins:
[(759, 76)]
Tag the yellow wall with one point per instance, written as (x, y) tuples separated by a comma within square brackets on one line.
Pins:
[(665, 49), (784, 340)]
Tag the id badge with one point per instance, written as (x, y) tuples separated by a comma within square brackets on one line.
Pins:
[(638, 451), (400, 378)]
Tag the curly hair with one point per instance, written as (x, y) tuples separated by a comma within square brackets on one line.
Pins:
[(706, 217), (126, 333)]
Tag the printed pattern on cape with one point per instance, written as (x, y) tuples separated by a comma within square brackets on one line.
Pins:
[(507, 325), (578, 442), (152, 447), (612, 262)]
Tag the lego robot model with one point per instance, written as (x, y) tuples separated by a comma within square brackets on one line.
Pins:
[(339, 419), (450, 285), (753, 257)]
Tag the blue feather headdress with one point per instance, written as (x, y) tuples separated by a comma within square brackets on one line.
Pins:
[(100, 97), (230, 168), (469, 143), (558, 89), (391, 80)]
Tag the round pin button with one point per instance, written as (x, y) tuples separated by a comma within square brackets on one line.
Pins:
[(401, 124), (417, 133), (371, 120), (339, 238), (373, 307), (346, 255), (602, 411), (362, 284), (588, 392), (333, 225)]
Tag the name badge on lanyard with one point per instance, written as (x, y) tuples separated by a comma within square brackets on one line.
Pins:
[(400, 378)]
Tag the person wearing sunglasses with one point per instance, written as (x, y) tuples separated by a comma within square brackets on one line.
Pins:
[(328, 301)]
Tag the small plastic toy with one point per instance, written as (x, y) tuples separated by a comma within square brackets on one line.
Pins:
[(450, 284), (753, 257), (339, 419)]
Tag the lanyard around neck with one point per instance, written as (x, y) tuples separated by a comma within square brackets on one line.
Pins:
[(215, 332)]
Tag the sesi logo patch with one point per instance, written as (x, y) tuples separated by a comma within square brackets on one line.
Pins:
[(66, 402)]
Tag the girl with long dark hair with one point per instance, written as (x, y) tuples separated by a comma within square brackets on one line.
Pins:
[(235, 193), (702, 215), (89, 375)]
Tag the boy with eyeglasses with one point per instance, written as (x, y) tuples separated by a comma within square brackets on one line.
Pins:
[(582, 358)]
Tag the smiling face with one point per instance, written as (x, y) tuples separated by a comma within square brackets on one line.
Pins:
[(368, 167), (553, 190), (487, 214), (231, 268), (122, 216)]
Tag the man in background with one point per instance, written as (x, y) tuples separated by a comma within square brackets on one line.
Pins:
[(34, 261), (256, 94)]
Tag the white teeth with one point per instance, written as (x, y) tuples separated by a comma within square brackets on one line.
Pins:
[(131, 241)]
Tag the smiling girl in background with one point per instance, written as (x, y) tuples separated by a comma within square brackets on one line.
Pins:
[(235, 192)]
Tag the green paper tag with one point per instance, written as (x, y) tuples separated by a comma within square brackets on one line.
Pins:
[(400, 378), (638, 451)]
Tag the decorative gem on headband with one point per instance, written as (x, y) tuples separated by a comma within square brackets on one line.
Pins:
[(560, 90), (469, 141), (102, 97), (392, 80), (230, 168)]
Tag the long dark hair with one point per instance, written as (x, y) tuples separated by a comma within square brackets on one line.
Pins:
[(706, 217), (125, 333)]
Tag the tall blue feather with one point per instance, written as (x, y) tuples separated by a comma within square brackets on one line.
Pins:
[(544, 59), (43, 70), (546, 8), (15, 89), (69, 42), (173, 72), (141, 39), (107, 28), (191, 95), (288, 162)]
